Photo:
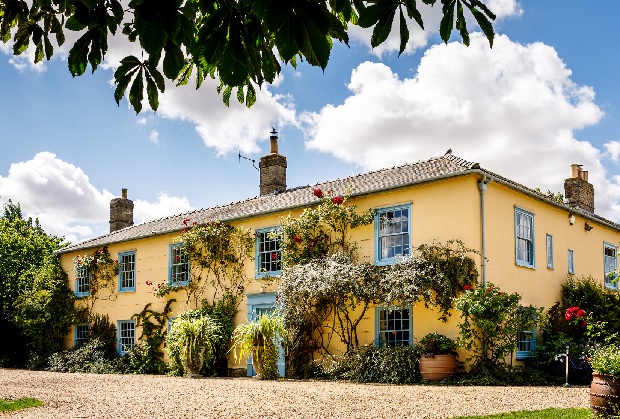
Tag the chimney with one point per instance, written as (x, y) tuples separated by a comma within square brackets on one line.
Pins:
[(121, 212), (578, 191), (272, 169)]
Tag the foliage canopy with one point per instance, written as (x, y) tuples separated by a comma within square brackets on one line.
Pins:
[(242, 43)]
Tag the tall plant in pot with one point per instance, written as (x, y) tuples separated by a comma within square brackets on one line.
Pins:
[(191, 340), (437, 356), (258, 338), (605, 387)]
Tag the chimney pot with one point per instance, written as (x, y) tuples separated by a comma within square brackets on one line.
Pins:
[(124, 193), (274, 141), (575, 170)]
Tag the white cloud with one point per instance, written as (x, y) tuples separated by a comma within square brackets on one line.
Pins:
[(513, 109), (154, 137), (613, 150), (164, 206), (61, 196)]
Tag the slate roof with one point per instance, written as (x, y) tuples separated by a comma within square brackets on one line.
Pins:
[(362, 184)]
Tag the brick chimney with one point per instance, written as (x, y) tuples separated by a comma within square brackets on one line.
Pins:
[(578, 191), (121, 212), (272, 169)]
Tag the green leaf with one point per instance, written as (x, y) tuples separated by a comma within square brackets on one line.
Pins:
[(159, 79), (95, 55), (485, 24), (73, 24), (404, 33), (186, 73), (151, 33), (240, 95), (461, 25), (386, 12), (315, 46), (38, 53), (90, 4), (173, 61), (78, 55), (136, 93), (414, 13), (49, 49), (447, 21), (226, 95), (234, 62), (250, 96), (286, 36), (122, 81), (151, 92)]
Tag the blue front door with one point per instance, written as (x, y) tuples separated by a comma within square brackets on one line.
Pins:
[(259, 304)]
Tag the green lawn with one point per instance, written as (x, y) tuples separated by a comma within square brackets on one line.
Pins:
[(539, 414), (11, 405)]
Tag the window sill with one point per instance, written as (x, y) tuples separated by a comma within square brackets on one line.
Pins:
[(264, 275), (525, 265)]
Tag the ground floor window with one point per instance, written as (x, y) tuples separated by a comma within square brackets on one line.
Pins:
[(81, 334), (126, 330), (393, 327)]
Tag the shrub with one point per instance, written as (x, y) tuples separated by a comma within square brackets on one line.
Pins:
[(435, 344), (92, 357), (606, 360)]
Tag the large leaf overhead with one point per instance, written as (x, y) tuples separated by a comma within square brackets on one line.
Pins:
[(240, 42)]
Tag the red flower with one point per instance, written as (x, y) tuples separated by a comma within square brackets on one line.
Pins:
[(582, 324), (178, 258), (318, 193), (467, 287), (274, 256), (581, 313), (338, 200), (296, 239), (568, 316), (149, 283)]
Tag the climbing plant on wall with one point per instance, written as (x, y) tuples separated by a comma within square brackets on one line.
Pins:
[(101, 271)]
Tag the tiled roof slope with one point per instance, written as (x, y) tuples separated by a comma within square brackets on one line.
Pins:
[(362, 184)]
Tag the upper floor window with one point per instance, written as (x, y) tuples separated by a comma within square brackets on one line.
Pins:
[(393, 327), (82, 281), (571, 262), (392, 233), (126, 334), (524, 238), (549, 251), (179, 265), (611, 264), (127, 271), (81, 334), (268, 253)]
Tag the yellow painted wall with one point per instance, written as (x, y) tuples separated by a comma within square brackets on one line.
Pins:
[(441, 210)]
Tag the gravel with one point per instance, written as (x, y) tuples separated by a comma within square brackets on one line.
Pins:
[(145, 396)]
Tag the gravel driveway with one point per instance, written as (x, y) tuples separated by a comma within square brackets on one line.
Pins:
[(140, 396)]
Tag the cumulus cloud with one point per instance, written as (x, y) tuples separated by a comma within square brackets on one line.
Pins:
[(431, 15), (513, 108), (61, 196), (154, 137), (613, 150)]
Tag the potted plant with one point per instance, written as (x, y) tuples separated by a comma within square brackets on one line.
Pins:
[(437, 357), (605, 387), (258, 338), (191, 339)]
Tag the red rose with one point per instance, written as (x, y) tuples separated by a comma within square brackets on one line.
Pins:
[(274, 256), (581, 313), (567, 316), (467, 287), (318, 193), (296, 239), (582, 324), (337, 200)]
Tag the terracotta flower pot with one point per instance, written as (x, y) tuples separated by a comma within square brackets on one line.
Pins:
[(437, 367), (604, 395)]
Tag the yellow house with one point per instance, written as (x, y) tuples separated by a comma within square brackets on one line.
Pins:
[(529, 242)]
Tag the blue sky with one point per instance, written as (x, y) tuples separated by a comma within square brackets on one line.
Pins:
[(545, 96)]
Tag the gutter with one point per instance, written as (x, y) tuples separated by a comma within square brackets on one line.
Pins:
[(482, 186)]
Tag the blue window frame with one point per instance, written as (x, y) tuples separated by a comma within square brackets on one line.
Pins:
[(549, 251), (179, 265), (571, 262), (526, 344), (392, 233), (259, 304), (80, 334), (126, 335), (127, 271), (393, 327), (82, 281), (524, 238), (268, 253), (610, 264)]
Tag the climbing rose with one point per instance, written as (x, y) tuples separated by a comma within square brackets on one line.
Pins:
[(337, 200), (296, 239), (467, 287), (318, 193)]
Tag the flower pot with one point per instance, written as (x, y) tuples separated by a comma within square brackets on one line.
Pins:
[(437, 367), (604, 395), (192, 369)]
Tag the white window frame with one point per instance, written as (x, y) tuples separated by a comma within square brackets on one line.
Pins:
[(549, 246), (383, 326), (571, 262), (126, 335), (127, 271), (524, 242), (381, 234), (265, 248), (610, 264)]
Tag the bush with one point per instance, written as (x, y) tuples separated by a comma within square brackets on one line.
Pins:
[(91, 357), (389, 365), (606, 360)]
